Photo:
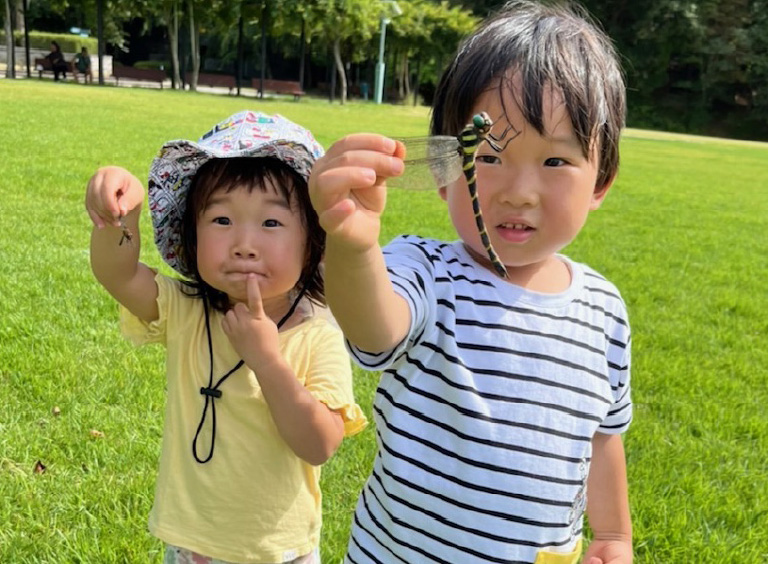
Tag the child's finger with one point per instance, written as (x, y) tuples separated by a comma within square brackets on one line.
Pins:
[(96, 219), (384, 165), (254, 296), (118, 191), (101, 197), (364, 142)]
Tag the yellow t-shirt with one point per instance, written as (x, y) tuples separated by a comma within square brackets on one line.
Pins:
[(255, 500)]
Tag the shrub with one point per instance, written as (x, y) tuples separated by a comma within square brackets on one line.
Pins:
[(42, 40)]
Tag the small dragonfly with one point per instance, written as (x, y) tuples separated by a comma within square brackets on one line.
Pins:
[(127, 234), (447, 157)]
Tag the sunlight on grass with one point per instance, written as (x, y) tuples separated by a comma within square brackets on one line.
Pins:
[(682, 234)]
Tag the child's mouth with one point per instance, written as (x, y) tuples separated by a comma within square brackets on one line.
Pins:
[(514, 232)]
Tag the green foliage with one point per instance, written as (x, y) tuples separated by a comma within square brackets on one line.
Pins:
[(682, 234), (60, 15), (42, 40), (428, 33)]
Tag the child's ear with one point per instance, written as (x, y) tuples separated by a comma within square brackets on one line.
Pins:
[(601, 191)]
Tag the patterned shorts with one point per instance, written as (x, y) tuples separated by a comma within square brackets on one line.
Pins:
[(178, 555)]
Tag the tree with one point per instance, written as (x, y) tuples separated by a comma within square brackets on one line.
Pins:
[(428, 33), (344, 23), (757, 62), (10, 69)]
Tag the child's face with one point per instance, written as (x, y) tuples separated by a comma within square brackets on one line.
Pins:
[(242, 232), (535, 195)]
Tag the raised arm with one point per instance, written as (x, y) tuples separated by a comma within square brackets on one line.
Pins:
[(348, 192), (113, 199), (608, 503)]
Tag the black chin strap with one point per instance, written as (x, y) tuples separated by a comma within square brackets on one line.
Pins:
[(212, 392)]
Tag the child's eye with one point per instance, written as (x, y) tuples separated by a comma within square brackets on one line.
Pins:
[(488, 159), (272, 223), (221, 220), (555, 162)]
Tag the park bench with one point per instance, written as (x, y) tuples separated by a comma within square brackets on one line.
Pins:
[(279, 87), (44, 65), (211, 79), (150, 75)]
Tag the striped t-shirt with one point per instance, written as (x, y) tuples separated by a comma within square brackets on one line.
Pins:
[(485, 412)]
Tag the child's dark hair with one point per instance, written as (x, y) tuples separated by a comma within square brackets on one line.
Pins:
[(545, 46), (251, 173)]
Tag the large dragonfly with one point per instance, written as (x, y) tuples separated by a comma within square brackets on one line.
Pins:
[(447, 157)]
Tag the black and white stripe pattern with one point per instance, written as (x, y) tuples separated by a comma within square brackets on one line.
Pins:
[(485, 412)]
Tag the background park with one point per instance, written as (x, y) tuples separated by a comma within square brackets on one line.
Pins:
[(682, 234)]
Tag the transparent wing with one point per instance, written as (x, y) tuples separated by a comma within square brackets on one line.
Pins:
[(429, 162)]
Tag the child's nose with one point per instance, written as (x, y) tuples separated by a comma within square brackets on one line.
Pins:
[(520, 190), (246, 246)]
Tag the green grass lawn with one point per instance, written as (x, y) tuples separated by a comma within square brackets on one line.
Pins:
[(682, 234)]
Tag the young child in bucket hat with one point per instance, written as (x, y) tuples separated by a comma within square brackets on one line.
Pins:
[(259, 386)]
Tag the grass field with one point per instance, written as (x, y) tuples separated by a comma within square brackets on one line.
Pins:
[(683, 235)]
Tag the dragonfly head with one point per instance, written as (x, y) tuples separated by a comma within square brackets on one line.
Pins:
[(482, 122)]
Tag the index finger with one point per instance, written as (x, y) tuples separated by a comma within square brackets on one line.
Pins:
[(254, 296), (365, 142)]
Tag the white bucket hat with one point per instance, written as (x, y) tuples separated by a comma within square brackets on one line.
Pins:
[(245, 134)]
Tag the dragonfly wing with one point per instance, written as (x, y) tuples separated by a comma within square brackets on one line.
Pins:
[(430, 162)]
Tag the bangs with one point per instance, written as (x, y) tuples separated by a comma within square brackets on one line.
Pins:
[(551, 49), (251, 173)]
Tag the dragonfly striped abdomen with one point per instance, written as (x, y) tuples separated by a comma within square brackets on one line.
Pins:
[(445, 158)]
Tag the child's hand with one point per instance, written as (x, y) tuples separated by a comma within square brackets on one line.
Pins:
[(252, 333), (608, 552), (348, 187), (112, 193)]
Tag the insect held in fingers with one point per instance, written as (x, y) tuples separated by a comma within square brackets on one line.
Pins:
[(127, 234)]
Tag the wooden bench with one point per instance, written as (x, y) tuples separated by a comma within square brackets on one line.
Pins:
[(44, 65), (211, 79), (150, 75), (279, 87)]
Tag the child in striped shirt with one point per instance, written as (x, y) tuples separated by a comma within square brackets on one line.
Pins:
[(502, 399)]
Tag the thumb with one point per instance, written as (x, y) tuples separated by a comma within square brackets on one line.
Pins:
[(332, 220), (131, 197)]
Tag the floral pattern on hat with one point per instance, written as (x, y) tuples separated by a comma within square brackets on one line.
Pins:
[(244, 134)]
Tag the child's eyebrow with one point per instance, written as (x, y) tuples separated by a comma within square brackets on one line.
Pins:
[(564, 139), (281, 202), (272, 201)]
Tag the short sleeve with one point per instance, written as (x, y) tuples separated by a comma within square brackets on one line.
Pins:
[(140, 332), (619, 367), (411, 270), (329, 376)]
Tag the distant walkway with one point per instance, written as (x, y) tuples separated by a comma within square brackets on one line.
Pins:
[(245, 91)]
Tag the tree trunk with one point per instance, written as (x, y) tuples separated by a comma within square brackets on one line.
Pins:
[(405, 79), (10, 71), (263, 71), (194, 45), (100, 34), (332, 72), (172, 17), (239, 65), (416, 82), (26, 39), (302, 53), (340, 70)]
